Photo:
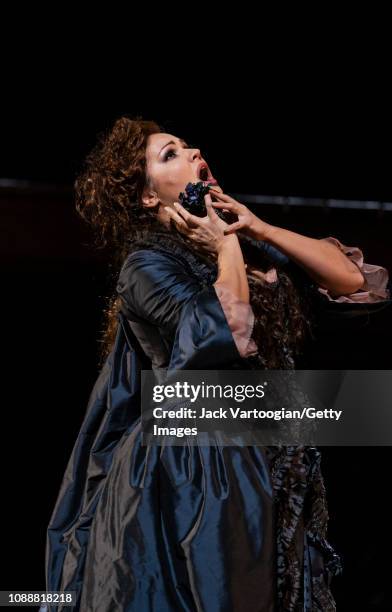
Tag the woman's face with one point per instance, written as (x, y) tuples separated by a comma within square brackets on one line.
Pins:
[(171, 165)]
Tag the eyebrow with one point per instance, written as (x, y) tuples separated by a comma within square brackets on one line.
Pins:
[(172, 142)]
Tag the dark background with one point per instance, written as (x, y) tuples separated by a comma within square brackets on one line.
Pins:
[(296, 141)]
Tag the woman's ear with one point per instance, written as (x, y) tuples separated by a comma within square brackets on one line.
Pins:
[(150, 198)]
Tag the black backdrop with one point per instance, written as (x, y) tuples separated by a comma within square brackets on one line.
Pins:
[(55, 287)]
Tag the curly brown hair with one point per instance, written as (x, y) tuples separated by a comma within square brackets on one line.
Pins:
[(108, 198)]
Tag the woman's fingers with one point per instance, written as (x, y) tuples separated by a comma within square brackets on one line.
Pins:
[(233, 227), (227, 205), (209, 207), (210, 212), (226, 201), (174, 215), (222, 196), (177, 219), (191, 220)]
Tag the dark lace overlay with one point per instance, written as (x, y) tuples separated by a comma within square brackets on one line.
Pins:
[(306, 562)]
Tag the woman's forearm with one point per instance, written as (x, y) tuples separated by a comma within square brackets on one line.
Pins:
[(231, 267), (323, 261)]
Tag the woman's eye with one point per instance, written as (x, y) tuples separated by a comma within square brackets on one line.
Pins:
[(170, 151)]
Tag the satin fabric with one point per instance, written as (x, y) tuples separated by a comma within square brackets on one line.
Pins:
[(159, 529), (143, 529)]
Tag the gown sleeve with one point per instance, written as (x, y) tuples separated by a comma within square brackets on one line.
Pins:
[(240, 317), (376, 278), (335, 318), (156, 287)]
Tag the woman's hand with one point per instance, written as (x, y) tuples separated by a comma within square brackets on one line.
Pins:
[(207, 232), (248, 223)]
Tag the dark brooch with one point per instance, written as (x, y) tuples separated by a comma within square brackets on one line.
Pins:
[(193, 201)]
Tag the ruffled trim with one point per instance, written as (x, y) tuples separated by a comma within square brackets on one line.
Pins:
[(376, 277), (290, 483), (302, 520), (165, 241), (240, 318)]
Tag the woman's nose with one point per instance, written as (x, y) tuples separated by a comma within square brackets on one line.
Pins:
[(196, 153)]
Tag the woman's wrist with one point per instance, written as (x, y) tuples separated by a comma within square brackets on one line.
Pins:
[(231, 267), (265, 231), (227, 244)]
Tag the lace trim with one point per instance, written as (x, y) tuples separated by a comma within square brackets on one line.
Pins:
[(299, 491)]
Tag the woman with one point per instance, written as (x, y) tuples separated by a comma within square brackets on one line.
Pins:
[(212, 529)]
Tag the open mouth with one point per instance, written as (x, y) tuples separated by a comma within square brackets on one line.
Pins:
[(206, 176)]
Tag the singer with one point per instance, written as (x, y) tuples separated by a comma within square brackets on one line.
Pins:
[(191, 528)]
